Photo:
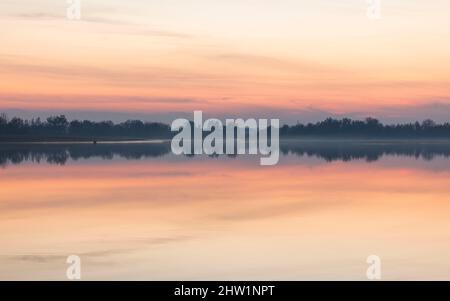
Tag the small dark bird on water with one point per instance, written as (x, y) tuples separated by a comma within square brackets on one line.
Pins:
[(94, 142)]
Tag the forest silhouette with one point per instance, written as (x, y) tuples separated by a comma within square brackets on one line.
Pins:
[(59, 128)]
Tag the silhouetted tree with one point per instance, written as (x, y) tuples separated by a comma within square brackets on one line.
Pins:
[(57, 124), (3, 122)]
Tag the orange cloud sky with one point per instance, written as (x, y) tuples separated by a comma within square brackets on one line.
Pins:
[(223, 56)]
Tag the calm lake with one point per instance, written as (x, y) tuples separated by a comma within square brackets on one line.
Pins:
[(135, 211)]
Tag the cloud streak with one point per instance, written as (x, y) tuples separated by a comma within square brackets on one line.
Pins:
[(120, 26)]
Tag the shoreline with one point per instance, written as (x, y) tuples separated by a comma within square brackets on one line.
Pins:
[(86, 142), (282, 140)]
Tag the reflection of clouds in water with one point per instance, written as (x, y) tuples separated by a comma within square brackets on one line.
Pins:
[(262, 212), (43, 258), (142, 243), (122, 218), (162, 182), (437, 164)]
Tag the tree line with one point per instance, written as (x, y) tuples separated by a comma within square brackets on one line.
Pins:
[(59, 127), (370, 127)]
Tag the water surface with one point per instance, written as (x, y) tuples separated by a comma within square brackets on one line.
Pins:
[(137, 212)]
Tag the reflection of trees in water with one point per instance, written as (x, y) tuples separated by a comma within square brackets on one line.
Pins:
[(59, 154), (347, 151)]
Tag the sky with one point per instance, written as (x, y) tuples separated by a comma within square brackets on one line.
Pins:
[(290, 59)]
